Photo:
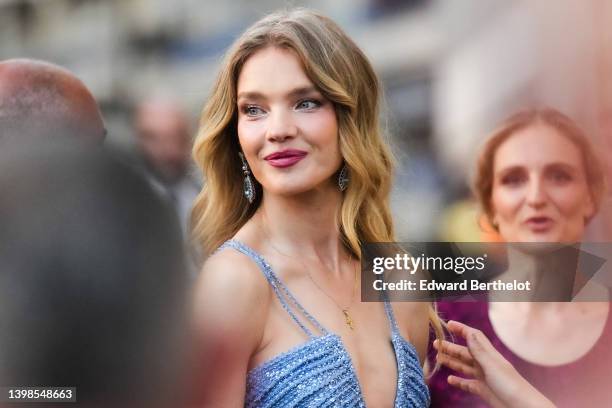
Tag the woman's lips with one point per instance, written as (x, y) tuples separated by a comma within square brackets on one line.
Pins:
[(285, 158), (539, 224)]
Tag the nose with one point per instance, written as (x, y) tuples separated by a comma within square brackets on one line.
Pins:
[(536, 193), (281, 127)]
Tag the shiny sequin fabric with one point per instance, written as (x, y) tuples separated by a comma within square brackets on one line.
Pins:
[(319, 372)]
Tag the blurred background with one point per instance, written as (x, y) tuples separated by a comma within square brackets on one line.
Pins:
[(451, 71)]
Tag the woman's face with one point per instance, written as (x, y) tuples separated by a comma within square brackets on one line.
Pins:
[(287, 130), (540, 193)]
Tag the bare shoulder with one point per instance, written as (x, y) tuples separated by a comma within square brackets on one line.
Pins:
[(232, 296), (413, 321), (230, 269), (230, 307)]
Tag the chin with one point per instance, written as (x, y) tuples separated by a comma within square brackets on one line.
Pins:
[(536, 247), (542, 237), (538, 242), (294, 186), (555, 237), (289, 190)]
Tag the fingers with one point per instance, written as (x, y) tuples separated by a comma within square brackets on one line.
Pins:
[(477, 339), (458, 329), (454, 350), (472, 386), (485, 354), (457, 358), (458, 365), (475, 387), (478, 344), (468, 333)]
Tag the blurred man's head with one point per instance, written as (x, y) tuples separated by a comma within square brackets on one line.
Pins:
[(92, 280), (39, 99), (162, 130)]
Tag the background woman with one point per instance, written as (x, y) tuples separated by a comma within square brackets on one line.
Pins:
[(538, 180), (297, 177)]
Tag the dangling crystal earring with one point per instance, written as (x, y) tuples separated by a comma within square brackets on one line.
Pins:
[(248, 188), (343, 178)]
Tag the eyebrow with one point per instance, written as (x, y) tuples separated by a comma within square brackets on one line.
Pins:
[(294, 93), (565, 166), (570, 168)]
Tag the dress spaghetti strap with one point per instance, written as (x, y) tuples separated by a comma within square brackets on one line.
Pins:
[(391, 316), (320, 372), (281, 291)]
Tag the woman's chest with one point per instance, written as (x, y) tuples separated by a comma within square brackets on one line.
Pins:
[(550, 341), (369, 350)]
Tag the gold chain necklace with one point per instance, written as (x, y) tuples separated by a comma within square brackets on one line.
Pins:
[(345, 310)]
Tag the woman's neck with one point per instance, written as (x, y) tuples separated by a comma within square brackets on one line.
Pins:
[(550, 271), (303, 225)]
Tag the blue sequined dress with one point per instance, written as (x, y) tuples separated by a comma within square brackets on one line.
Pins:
[(319, 372)]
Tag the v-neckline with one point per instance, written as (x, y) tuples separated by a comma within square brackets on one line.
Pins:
[(274, 279), (335, 337)]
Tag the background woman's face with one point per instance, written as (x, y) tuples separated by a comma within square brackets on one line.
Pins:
[(540, 192), (287, 130)]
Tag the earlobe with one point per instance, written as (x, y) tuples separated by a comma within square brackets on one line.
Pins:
[(495, 222)]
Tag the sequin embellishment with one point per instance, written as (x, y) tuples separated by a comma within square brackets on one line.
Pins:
[(319, 372)]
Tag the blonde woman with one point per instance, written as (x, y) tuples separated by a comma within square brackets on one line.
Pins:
[(297, 177)]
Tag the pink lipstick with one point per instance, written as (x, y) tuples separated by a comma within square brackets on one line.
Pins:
[(285, 158)]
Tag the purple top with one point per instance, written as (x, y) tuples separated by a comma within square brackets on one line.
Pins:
[(581, 383)]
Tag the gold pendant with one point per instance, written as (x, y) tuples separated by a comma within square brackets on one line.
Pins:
[(347, 319)]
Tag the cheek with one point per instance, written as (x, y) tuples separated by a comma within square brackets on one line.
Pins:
[(571, 203), (573, 211), (250, 136), (326, 124), (322, 131), (506, 202)]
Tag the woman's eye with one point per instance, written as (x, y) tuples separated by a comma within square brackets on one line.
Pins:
[(512, 179), (308, 104), (560, 176), (252, 110)]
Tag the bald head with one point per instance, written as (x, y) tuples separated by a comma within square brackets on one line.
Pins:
[(38, 98)]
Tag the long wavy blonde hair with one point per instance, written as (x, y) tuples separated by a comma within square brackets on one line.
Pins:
[(343, 74)]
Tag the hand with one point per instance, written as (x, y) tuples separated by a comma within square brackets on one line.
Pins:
[(491, 376)]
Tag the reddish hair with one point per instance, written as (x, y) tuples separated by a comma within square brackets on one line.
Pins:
[(483, 180)]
